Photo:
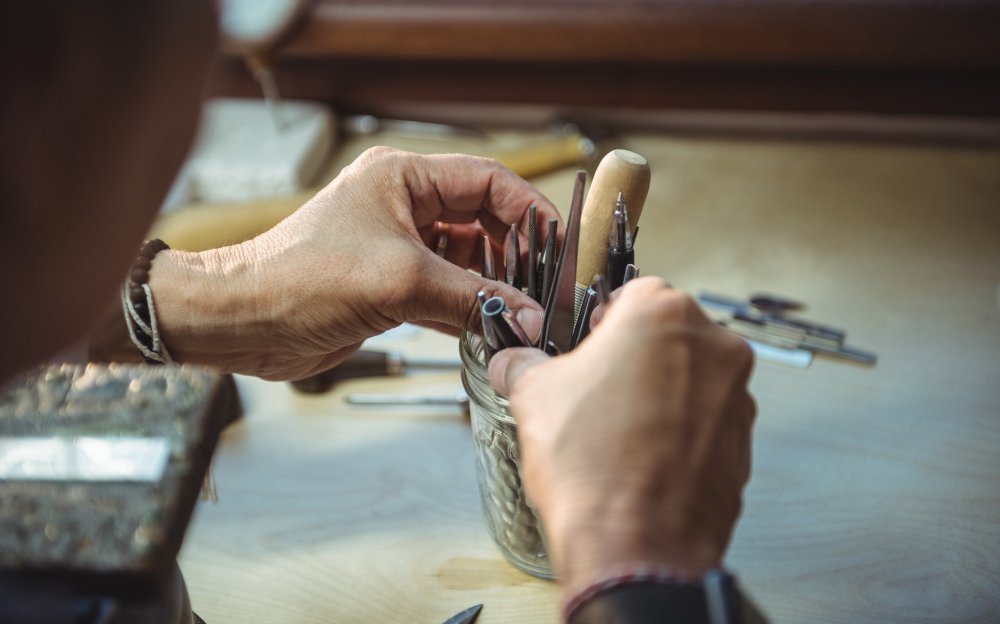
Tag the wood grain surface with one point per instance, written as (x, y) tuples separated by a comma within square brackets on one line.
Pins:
[(876, 492)]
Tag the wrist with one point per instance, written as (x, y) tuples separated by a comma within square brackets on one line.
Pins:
[(209, 306), (625, 530)]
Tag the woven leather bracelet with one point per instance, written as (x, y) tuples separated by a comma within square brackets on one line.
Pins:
[(138, 306)]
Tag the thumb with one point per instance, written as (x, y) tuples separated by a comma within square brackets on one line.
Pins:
[(507, 366), (450, 298)]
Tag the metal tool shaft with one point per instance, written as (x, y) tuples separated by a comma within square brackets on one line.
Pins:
[(557, 325), (549, 261), (513, 266), (533, 252), (489, 265)]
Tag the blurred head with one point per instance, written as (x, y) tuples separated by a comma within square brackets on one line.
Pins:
[(98, 108)]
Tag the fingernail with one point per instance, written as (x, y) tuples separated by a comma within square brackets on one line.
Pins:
[(531, 322)]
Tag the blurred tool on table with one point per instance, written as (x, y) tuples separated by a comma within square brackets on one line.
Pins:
[(468, 616), (366, 363), (238, 195)]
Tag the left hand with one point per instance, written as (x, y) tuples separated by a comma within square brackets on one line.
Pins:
[(351, 263)]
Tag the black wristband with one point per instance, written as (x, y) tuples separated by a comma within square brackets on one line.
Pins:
[(642, 603)]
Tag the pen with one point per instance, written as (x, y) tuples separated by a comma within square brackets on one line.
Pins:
[(365, 363), (620, 251)]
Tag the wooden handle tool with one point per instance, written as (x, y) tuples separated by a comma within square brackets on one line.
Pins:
[(621, 171)]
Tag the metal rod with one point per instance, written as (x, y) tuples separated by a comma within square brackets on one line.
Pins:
[(492, 312), (603, 290), (549, 261), (489, 266), (513, 266), (490, 343), (533, 252), (631, 272), (582, 327)]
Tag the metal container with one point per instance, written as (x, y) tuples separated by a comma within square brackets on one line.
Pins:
[(510, 519)]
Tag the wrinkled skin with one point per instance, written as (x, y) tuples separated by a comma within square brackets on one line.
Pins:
[(647, 460)]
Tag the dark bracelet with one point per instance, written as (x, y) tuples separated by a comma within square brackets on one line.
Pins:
[(138, 307), (648, 596)]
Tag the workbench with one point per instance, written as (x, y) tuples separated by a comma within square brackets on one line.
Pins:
[(876, 491)]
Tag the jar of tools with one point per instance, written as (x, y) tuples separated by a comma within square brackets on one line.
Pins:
[(510, 519)]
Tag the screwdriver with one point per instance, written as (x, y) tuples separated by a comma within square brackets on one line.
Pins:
[(371, 364)]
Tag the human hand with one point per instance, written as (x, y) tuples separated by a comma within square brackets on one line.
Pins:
[(645, 460), (352, 263)]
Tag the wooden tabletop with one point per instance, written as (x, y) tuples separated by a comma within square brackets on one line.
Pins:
[(876, 491)]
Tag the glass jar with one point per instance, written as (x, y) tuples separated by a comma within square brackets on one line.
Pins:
[(510, 519)]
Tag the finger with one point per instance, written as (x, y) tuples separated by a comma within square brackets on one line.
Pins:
[(508, 365), (458, 183), (642, 287), (464, 246), (449, 297)]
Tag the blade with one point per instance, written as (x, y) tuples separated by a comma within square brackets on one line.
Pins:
[(557, 326), (465, 617)]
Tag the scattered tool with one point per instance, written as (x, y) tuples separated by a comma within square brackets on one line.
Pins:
[(557, 324), (465, 617), (460, 399), (367, 363), (776, 329)]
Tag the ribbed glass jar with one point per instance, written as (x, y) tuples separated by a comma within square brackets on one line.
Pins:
[(510, 519)]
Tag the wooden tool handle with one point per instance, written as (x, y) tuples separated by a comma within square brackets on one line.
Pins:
[(544, 156), (620, 171)]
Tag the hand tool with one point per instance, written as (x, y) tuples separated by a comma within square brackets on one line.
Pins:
[(489, 265), (631, 272), (490, 342), (370, 124), (603, 289), (557, 324), (773, 304), (512, 268), (620, 171), (784, 332), (620, 251), (460, 398), (740, 309), (503, 330), (549, 261), (465, 617), (365, 363), (515, 327), (582, 327), (533, 252)]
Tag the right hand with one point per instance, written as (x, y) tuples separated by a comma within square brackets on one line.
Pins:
[(635, 445)]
